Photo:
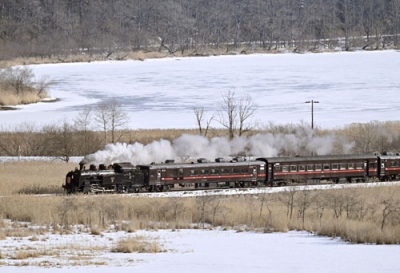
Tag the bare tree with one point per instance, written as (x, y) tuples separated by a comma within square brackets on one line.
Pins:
[(202, 202), (200, 116), (86, 139), (236, 113), (42, 85), (228, 115), (177, 207), (214, 205), (111, 117), (118, 119), (102, 118), (390, 206), (303, 203), (288, 200), (368, 137), (246, 108), (21, 80), (60, 140)]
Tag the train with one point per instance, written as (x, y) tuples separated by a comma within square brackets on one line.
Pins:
[(238, 172)]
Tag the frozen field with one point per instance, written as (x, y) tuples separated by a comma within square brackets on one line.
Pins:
[(350, 86)]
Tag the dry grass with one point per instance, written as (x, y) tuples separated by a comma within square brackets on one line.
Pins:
[(139, 55), (25, 254), (8, 98), (96, 230), (139, 244), (32, 177), (369, 215)]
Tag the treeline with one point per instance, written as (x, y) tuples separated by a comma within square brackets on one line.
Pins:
[(85, 135), (48, 28)]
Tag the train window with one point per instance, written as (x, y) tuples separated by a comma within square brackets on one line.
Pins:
[(204, 172), (172, 172), (225, 171), (302, 168), (194, 172), (214, 171), (343, 166), (285, 168), (293, 168), (277, 168), (236, 171), (372, 165), (335, 166), (327, 166), (394, 164), (351, 166), (318, 167), (359, 166), (245, 170), (310, 167), (181, 172)]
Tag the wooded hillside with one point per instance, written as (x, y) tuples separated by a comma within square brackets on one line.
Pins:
[(48, 28)]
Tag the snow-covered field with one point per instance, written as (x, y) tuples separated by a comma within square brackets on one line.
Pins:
[(205, 251), (351, 87)]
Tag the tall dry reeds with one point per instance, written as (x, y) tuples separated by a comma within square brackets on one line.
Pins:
[(369, 215), (138, 244), (32, 177), (9, 98)]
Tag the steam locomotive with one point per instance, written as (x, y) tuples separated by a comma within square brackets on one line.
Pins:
[(235, 173)]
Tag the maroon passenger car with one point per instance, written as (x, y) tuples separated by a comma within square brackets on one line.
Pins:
[(159, 177), (313, 169)]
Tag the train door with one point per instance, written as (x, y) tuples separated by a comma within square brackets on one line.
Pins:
[(366, 168), (254, 178), (382, 172), (158, 179), (270, 176), (180, 174)]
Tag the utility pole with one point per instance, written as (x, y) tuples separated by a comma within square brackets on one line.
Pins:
[(312, 111)]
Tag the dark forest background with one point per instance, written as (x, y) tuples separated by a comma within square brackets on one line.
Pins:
[(49, 28), (57, 29)]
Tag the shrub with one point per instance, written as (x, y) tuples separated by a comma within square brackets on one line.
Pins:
[(18, 86), (138, 244)]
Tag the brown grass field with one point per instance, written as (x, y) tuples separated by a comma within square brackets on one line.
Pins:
[(139, 55), (361, 215)]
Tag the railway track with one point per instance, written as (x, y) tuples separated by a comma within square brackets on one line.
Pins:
[(228, 192)]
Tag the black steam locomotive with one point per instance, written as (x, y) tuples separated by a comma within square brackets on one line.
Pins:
[(236, 173)]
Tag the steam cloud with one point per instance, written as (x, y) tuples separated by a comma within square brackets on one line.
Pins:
[(190, 147)]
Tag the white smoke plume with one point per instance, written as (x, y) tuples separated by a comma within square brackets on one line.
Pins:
[(191, 147)]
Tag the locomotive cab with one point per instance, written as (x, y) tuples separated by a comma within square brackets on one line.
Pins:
[(71, 181)]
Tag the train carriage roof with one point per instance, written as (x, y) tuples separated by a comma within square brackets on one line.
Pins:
[(197, 165), (391, 157), (317, 158)]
